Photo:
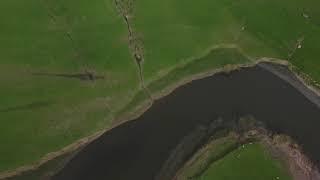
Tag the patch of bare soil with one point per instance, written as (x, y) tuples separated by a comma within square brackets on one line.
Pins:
[(284, 148)]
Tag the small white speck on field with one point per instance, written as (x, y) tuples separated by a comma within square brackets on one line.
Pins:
[(305, 15)]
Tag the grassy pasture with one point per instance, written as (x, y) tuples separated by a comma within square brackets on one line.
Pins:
[(43, 113), (248, 162), (177, 30)]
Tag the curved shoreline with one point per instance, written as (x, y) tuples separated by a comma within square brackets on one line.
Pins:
[(142, 107), (293, 79), (285, 149), (280, 146)]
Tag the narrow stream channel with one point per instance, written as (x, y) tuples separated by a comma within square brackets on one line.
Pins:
[(137, 149)]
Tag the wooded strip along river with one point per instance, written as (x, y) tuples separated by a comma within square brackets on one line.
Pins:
[(136, 150)]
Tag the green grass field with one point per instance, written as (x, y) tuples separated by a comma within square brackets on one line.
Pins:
[(248, 162), (180, 30), (44, 42), (43, 113)]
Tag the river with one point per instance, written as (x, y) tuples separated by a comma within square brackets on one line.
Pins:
[(136, 150)]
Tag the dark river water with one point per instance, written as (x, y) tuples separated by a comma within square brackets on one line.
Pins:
[(136, 150)]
